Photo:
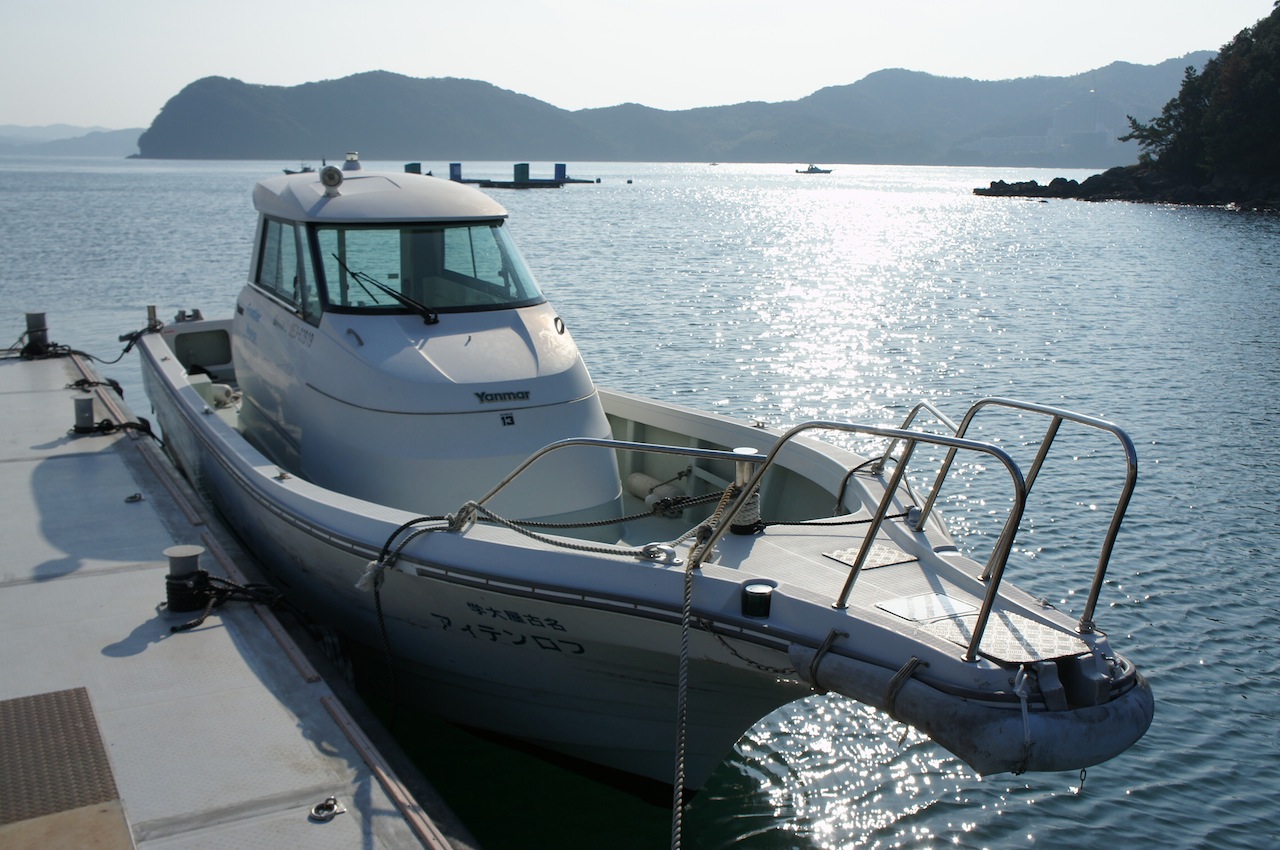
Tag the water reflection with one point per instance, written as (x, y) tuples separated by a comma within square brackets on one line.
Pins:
[(835, 774)]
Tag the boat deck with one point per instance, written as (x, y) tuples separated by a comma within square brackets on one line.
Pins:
[(118, 733), (814, 560)]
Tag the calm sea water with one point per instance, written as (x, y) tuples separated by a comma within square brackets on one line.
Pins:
[(753, 291)]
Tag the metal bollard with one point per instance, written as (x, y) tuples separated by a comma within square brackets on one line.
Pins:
[(184, 559), (37, 336), (747, 520), (186, 581)]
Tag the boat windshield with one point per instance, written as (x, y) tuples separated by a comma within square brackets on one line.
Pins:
[(440, 267)]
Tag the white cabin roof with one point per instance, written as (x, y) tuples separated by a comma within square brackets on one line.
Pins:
[(373, 196)]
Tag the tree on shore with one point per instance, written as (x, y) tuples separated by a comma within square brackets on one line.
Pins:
[(1223, 124)]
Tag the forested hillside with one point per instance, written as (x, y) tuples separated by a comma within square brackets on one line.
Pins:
[(1217, 141), (1224, 124)]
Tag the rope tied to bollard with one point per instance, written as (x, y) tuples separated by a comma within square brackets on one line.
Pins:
[(200, 590), (190, 588)]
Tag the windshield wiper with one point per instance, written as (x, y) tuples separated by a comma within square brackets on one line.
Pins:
[(429, 316)]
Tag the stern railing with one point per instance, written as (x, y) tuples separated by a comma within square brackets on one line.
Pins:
[(1056, 417), (909, 440), (956, 441)]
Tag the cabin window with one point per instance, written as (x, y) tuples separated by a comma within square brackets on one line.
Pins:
[(445, 268), (278, 261)]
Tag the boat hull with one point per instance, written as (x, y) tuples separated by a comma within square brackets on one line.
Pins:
[(579, 651)]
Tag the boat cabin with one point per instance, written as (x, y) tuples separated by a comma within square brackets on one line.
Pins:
[(390, 334)]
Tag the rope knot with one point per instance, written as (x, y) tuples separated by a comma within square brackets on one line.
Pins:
[(372, 575), (464, 518)]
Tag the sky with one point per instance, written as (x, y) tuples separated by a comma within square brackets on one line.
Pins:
[(115, 64)]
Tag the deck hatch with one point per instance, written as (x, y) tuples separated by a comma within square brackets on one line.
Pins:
[(926, 606)]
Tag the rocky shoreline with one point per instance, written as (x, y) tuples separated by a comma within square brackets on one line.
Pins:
[(1144, 184)]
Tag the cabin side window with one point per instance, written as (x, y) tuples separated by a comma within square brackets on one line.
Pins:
[(278, 261), (311, 308), (446, 268)]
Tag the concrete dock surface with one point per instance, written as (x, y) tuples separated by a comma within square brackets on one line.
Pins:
[(116, 732)]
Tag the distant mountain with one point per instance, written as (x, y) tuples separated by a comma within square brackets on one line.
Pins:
[(66, 140), (892, 116), (16, 134)]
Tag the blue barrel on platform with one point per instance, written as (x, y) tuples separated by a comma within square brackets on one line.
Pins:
[(455, 171), (521, 172), (562, 173)]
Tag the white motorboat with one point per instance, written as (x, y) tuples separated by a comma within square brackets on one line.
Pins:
[(395, 405)]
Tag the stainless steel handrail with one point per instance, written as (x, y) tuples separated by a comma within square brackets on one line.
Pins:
[(1004, 545), (1057, 417), (906, 423)]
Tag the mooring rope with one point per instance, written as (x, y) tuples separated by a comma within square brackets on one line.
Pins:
[(108, 426), (682, 708), (895, 684), (87, 384), (1022, 687), (696, 555), (33, 349), (372, 578)]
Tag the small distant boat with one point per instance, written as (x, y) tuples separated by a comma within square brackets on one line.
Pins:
[(302, 168), (813, 169)]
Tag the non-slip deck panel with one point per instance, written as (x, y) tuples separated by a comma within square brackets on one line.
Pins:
[(51, 756), (1011, 637)]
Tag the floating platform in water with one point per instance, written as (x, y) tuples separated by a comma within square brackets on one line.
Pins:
[(117, 731), (520, 177)]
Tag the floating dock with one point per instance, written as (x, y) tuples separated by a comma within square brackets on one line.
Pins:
[(520, 178), (117, 732)]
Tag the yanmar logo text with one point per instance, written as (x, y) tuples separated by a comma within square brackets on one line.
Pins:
[(492, 398)]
